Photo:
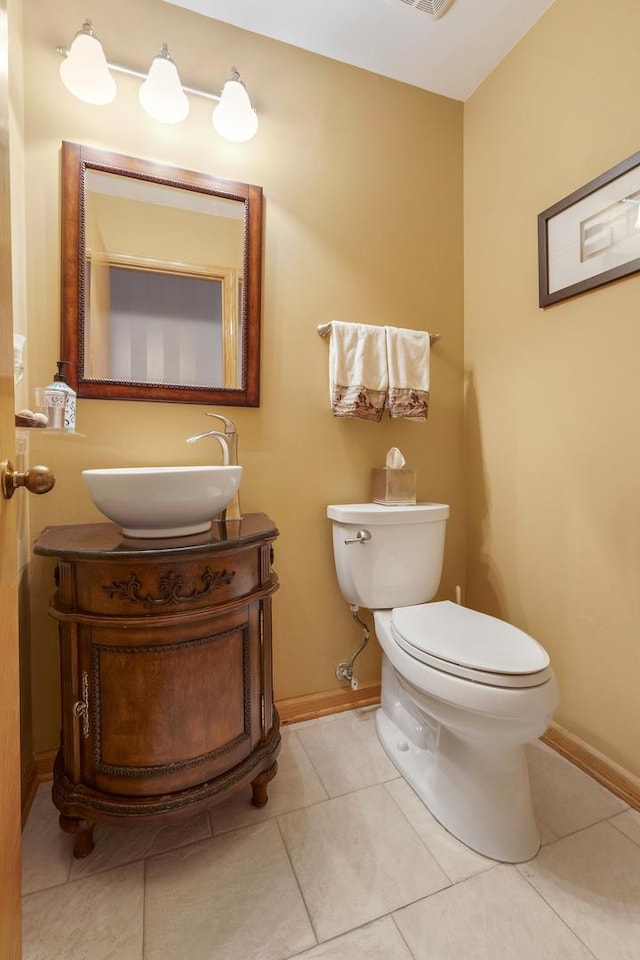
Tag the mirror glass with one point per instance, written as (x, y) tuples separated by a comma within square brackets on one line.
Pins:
[(161, 281)]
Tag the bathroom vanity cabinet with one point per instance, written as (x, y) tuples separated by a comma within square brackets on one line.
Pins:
[(166, 674)]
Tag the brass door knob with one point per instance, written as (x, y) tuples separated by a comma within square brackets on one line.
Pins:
[(37, 479)]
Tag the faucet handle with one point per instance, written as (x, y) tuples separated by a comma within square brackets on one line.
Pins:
[(229, 425)]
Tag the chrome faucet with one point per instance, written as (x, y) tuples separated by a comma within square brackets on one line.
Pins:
[(228, 440)]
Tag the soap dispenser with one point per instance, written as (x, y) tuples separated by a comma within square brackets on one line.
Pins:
[(59, 401)]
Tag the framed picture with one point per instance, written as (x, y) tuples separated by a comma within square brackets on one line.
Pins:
[(592, 236)]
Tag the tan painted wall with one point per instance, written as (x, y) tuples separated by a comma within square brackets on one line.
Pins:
[(553, 396), (362, 181)]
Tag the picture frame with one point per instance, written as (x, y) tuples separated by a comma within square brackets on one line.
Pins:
[(592, 236)]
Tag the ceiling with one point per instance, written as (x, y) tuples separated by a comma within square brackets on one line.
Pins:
[(450, 56)]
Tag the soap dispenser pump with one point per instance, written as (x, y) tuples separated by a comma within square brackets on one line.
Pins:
[(59, 401)]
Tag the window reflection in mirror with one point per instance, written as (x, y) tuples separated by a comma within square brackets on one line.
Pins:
[(167, 273)]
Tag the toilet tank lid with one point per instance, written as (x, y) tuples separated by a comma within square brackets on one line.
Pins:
[(378, 513)]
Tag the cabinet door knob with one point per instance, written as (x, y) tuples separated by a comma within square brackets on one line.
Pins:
[(37, 479)]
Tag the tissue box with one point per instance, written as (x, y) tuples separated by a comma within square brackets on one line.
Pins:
[(392, 486)]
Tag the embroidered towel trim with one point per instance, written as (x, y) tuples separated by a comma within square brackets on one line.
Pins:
[(358, 378), (408, 354)]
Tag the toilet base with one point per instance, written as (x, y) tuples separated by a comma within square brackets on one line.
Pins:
[(477, 789)]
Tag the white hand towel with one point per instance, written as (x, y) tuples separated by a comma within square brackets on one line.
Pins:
[(357, 370), (408, 365)]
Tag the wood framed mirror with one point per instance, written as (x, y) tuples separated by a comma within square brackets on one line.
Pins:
[(161, 281)]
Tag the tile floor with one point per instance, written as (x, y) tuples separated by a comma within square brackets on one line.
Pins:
[(344, 863)]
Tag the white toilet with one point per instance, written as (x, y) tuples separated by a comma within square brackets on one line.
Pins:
[(462, 692)]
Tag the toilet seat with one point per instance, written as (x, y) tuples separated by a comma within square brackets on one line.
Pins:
[(470, 645)]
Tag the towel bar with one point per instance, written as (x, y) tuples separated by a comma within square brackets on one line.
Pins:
[(324, 330)]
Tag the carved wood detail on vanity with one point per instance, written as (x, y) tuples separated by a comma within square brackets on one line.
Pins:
[(166, 671), (169, 589)]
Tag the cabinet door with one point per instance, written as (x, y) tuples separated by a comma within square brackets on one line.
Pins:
[(168, 707)]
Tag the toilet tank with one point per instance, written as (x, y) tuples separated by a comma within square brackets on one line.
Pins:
[(388, 556)]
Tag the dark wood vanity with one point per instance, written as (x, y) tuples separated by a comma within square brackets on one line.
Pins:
[(166, 671)]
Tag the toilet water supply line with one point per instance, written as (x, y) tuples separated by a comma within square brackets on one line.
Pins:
[(344, 670)]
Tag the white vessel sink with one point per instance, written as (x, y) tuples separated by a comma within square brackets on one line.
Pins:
[(162, 501)]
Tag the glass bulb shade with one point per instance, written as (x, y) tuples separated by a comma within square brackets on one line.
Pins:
[(161, 94), (234, 118), (85, 72)]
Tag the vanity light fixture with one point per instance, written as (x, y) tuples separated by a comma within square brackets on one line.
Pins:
[(161, 94), (86, 73), (234, 118)]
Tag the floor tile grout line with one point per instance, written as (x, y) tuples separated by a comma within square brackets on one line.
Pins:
[(498, 865), (183, 846), (143, 857), (565, 924), (52, 886), (302, 896), (540, 822), (390, 915), (330, 796), (449, 885), (313, 766), (338, 936), (91, 876), (452, 882), (212, 836), (571, 833), (574, 833), (611, 819), (364, 786), (401, 934)]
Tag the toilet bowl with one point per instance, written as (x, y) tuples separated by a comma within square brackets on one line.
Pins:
[(462, 692)]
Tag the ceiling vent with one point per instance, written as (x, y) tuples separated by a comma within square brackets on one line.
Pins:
[(434, 8)]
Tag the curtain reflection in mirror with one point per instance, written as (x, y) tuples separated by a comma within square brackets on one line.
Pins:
[(165, 323)]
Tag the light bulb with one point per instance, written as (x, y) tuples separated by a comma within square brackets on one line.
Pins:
[(161, 94), (234, 118), (85, 72)]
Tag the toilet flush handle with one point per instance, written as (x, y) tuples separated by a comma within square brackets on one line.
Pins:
[(361, 537)]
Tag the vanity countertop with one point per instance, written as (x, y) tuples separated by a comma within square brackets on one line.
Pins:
[(106, 540)]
